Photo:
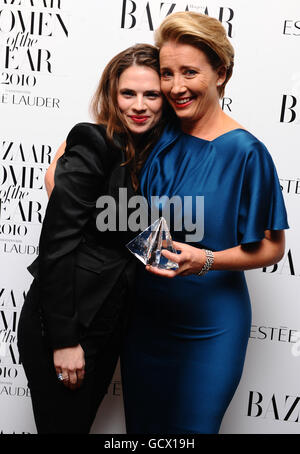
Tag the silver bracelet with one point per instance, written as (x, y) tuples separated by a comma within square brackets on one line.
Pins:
[(208, 264)]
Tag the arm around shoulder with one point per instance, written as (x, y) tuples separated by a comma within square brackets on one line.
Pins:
[(82, 134)]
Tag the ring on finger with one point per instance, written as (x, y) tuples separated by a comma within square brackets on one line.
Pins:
[(62, 378)]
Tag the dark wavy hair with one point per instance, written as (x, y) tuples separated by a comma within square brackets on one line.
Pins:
[(105, 109)]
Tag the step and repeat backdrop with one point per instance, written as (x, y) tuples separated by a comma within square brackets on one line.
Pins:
[(52, 53)]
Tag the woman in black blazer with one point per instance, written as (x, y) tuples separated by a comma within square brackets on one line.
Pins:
[(74, 313)]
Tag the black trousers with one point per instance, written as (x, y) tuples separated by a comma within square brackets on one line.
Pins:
[(57, 409)]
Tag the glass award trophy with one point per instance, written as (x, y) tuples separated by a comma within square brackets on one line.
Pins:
[(148, 245)]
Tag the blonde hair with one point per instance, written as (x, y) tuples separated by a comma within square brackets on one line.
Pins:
[(203, 32)]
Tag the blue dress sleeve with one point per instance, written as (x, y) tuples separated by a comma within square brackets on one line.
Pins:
[(261, 203)]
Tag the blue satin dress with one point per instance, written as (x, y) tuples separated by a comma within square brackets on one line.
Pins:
[(185, 346)]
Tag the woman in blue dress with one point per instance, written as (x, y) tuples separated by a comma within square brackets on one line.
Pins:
[(187, 337)]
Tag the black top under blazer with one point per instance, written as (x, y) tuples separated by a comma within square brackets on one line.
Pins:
[(78, 265)]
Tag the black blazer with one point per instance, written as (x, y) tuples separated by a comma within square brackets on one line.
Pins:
[(78, 265)]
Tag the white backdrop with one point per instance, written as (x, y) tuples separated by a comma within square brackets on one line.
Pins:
[(52, 53)]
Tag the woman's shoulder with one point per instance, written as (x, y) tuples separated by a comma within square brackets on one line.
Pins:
[(237, 134), (94, 135), (86, 131), (89, 141), (243, 141)]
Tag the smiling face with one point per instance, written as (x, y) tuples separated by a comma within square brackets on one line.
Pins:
[(188, 80), (139, 98)]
